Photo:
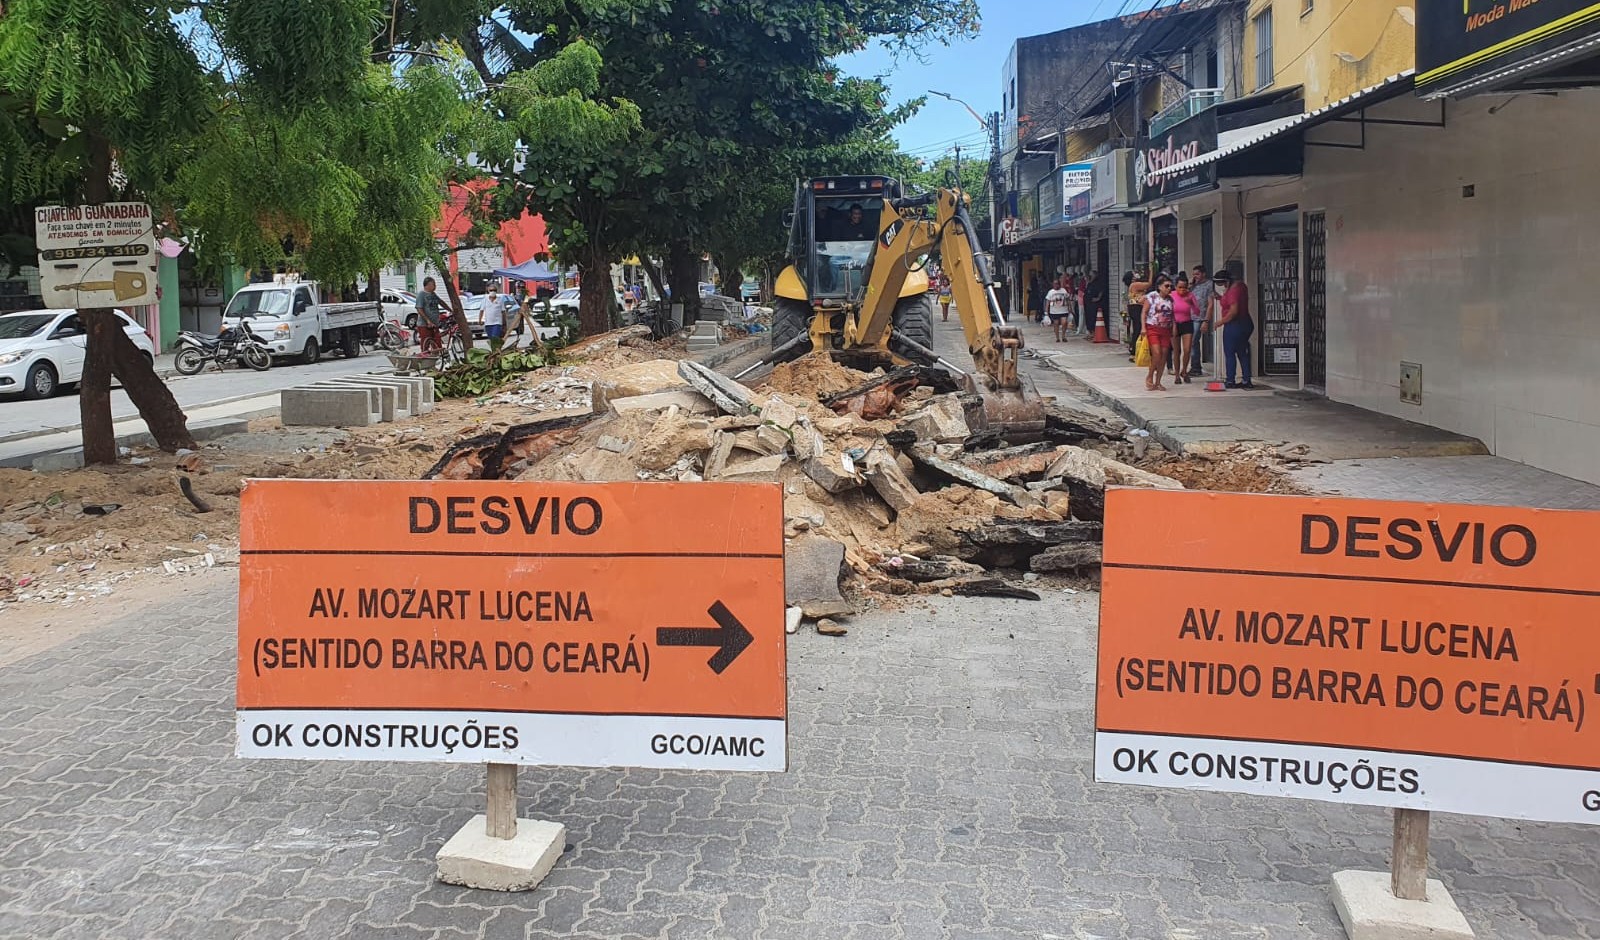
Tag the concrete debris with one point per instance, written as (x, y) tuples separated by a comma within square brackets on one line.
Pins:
[(886, 478), (886, 485), (635, 379), (728, 395), (828, 627), (812, 565), (940, 420), (684, 399)]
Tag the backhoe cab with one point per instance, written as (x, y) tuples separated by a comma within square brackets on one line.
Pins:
[(857, 287)]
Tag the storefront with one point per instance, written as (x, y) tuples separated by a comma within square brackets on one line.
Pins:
[(1277, 291)]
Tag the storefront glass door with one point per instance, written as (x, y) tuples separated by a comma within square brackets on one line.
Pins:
[(1278, 290)]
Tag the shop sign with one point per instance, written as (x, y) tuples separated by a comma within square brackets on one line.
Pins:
[(100, 255), (1108, 181), (1078, 206), (1413, 655), (1076, 178), (1051, 208), (1183, 141), (1467, 45), (1027, 212)]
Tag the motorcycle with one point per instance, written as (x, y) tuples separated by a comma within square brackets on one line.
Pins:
[(234, 344)]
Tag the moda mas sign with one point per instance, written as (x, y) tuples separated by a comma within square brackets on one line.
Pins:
[(1154, 161), (1477, 45)]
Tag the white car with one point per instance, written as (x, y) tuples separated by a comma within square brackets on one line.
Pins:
[(42, 350)]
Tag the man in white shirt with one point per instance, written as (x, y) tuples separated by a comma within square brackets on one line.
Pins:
[(494, 315), (1058, 305)]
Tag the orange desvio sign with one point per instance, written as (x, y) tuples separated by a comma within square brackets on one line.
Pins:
[(615, 624), (1426, 656)]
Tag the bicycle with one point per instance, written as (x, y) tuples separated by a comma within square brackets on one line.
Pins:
[(452, 348)]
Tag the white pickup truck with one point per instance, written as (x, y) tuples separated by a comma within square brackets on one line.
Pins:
[(289, 316)]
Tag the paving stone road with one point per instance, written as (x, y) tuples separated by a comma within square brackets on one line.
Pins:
[(940, 787)]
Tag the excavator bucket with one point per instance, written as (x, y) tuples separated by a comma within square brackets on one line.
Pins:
[(1015, 413), (1011, 404)]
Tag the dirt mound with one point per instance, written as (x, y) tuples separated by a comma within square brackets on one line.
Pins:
[(813, 375)]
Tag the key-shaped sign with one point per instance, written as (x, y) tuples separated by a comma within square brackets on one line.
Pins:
[(125, 284)]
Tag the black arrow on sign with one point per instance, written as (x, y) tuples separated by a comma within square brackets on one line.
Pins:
[(730, 637)]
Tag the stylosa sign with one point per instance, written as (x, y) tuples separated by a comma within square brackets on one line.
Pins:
[(1182, 142), (1477, 45), (1410, 655)]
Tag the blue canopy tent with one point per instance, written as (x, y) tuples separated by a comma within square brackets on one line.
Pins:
[(530, 271)]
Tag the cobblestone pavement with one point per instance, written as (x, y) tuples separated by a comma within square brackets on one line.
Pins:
[(940, 787), (1492, 480)]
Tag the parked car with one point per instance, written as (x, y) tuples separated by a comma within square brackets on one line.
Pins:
[(41, 351), (569, 298), (398, 305)]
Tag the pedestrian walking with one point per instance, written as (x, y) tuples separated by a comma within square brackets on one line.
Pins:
[(1094, 303), (1036, 298), (944, 294), (1183, 317), (1058, 306), (430, 313), (1204, 294), (1237, 327), (494, 315), (1138, 287), (1158, 332)]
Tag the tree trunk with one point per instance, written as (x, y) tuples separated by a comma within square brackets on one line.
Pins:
[(683, 274), (730, 280), (374, 290), (94, 388), (594, 289), (161, 413), (107, 348), (654, 274)]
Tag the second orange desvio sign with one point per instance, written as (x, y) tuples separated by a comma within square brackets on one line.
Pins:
[(1427, 656), (536, 623)]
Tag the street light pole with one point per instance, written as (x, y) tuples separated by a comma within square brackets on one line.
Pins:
[(970, 110)]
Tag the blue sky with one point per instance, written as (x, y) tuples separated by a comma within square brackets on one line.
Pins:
[(968, 69)]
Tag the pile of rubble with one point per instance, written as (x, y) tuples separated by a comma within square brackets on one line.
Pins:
[(884, 478)]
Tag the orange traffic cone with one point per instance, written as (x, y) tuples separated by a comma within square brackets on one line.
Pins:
[(1100, 334)]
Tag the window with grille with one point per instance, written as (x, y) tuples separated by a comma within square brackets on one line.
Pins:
[(1263, 37)]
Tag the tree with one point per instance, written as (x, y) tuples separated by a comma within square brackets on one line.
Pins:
[(260, 128), (719, 90), (973, 181)]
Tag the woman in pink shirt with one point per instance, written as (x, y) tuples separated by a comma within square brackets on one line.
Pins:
[(1184, 313)]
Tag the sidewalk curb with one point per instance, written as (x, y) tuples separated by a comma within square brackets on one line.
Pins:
[(25, 435), (733, 350)]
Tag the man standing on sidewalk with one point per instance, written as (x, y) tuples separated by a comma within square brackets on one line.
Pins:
[(1237, 326), (430, 313), (1203, 291)]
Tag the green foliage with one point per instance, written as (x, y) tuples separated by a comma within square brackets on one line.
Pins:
[(733, 101), (941, 174), (486, 370), (334, 189), (295, 53), (260, 129)]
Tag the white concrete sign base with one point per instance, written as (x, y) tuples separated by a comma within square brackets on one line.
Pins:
[(1370, 911), (475, 859)]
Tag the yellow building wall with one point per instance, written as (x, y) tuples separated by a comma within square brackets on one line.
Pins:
[(1335, 47)]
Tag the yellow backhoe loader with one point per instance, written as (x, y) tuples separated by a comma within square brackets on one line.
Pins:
[(857, 287)]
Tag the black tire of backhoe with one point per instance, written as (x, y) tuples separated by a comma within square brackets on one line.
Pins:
[(913, 319), (790, 318)]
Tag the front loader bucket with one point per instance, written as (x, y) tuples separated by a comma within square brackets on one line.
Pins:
[(1016, 414)]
